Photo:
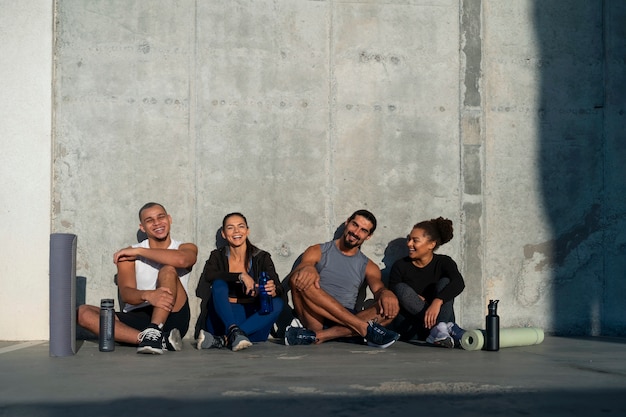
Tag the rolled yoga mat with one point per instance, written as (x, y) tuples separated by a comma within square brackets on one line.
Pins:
[(511, 337), (62, 294)]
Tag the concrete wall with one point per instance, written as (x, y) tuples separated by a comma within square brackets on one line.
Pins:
[(506, 117)]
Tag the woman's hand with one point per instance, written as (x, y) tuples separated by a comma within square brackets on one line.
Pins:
[(270, 288), (430, 316), (249, 284)]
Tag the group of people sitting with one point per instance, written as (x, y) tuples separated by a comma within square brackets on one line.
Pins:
[(153, 278)]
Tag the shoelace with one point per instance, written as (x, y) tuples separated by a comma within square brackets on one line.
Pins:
[(149, 334), (376, 328), (378, 334)]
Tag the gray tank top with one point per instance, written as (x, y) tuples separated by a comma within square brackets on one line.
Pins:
[(341, 276)]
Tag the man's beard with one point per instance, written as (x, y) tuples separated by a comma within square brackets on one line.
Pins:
[(349, 244)]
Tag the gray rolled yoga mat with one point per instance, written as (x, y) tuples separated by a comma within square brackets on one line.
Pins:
[(62, 294), (510, 337)]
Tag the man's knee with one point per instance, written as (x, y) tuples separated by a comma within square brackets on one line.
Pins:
[(85, 314), (168, 277), (167, 271)]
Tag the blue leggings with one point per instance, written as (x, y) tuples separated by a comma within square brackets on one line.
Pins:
[(223, 314)]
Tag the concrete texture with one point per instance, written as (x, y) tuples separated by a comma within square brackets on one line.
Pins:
[(506, 117), (560, 377)]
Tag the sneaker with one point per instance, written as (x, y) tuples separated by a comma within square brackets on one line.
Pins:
[(295, 322), (173, 342), (299, 336), (207, 341), (151, 340), (456, 332), (447, 342), (237, 339), (439, 336), (380, 337)]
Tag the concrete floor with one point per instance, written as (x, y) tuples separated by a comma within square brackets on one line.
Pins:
[(560, 377)]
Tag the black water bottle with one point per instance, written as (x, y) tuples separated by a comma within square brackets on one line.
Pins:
[(265, 300), (107, 325), (492, 327)]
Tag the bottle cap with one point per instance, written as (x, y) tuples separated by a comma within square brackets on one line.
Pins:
[(107, 303)]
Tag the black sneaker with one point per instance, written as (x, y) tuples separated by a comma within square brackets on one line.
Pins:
[(380, 337), (456, 332), (173, 341), (206, 340), (237, 339), (151, 340), (299, 336)]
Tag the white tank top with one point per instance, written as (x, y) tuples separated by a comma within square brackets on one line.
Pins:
[(147, 271)]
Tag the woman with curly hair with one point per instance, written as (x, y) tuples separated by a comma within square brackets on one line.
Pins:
[(426, 284)]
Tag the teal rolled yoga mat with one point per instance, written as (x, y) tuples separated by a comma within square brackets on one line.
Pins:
[(511, 337)]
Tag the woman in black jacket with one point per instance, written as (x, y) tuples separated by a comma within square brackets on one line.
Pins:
[(228, 288), (426, 284)]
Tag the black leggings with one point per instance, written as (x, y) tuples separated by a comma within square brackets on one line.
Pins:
[(410, 321), (412, 304)]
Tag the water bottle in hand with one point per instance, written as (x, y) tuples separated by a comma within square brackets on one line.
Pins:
[(265, 300)]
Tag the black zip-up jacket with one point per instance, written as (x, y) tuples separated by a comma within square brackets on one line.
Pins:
[(216, 267)]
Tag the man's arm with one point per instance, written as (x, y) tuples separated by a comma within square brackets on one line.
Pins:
[(305, 274), (184, 257), (161, 297), (127, 283), (388, 304)]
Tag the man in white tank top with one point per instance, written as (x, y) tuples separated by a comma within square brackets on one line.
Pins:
[(325, 285), (152, 277)]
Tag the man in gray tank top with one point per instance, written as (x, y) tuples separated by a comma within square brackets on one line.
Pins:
[(325, 286)]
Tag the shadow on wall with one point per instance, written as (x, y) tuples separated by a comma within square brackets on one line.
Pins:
[(220, 242), (573, 138), (396, 249), (81, 298)]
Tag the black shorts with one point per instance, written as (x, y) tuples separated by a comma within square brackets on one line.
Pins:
[(329, 323), (140, 319)]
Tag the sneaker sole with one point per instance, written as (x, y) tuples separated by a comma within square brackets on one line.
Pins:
[(385, 346), (149, 350), (175, 341), (242, 345)]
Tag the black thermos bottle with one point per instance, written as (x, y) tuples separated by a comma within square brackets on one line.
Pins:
[(107, 325), (492, 326)]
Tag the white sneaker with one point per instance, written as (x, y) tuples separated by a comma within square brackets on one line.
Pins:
[(296, 323), (439, 336)]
